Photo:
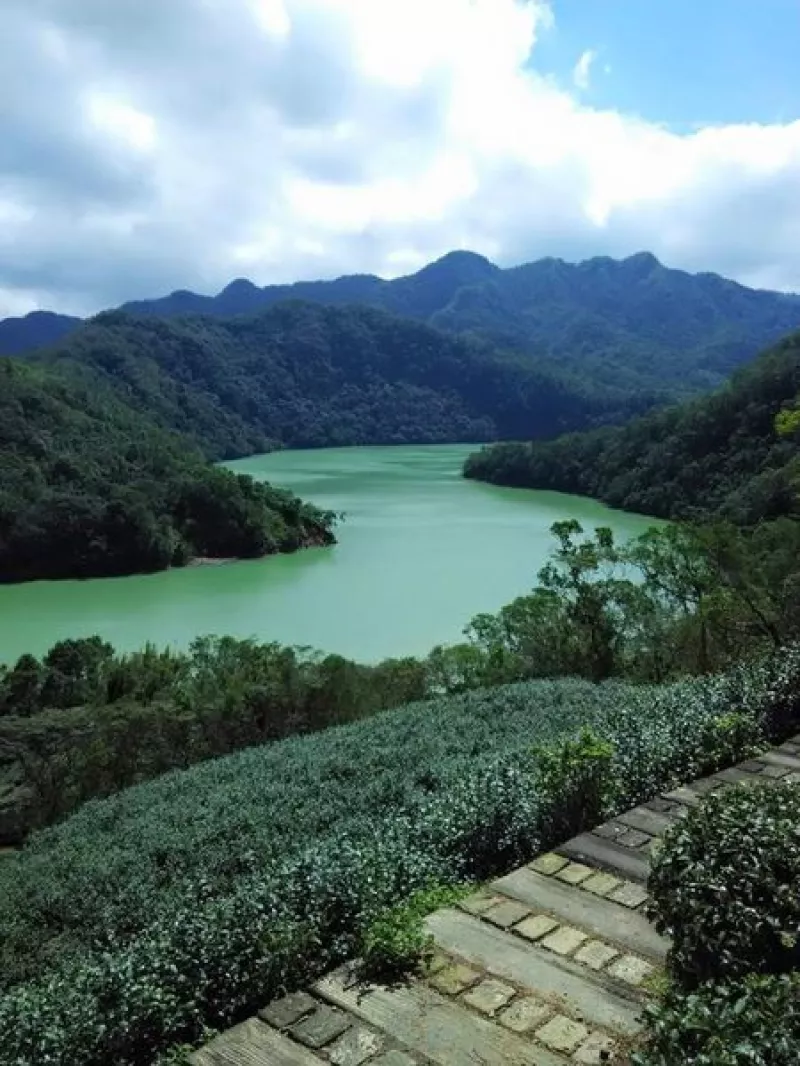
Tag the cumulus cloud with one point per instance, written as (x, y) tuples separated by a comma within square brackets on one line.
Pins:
[(146, 146), (581, 74)]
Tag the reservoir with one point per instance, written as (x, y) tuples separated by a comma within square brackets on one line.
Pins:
[(420, 551)]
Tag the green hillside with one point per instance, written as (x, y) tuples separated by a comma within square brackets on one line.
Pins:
[(718, 455), (304, 375), (630, 324), (90, 486), (189, 901)]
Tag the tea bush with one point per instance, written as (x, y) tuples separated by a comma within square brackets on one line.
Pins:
[(186, 902), (725, 885), (754, 1022)]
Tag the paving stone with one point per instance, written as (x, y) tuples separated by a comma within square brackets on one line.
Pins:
[(479, 903), (489, 996), (776, 772), (282, 1013), (596, 954), (549, 864), (355, 1047), (598, 1049), (525, 1014), (633, 838), (394, 1058), (437, 962), (631, 970), (454, 979), (565, 940), (562, 1034), (661, 806), (629, 895), (320, 1028), (536, 927), (601, 884), (506, 914), (752, 766), (609, 830), (707, 784), (574, 873)]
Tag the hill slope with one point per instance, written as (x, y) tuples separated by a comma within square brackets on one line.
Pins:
[(305, 375), (34, 331), (89, 486), (632, 324), (719, 454)]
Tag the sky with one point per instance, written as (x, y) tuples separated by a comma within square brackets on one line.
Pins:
[(150, 145)]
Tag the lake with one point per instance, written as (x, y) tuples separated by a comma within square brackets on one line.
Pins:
[(419, 553)]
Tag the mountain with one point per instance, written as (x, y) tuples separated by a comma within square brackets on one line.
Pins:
[(630, 324), (33, 331), (718, 455), (307, 375)]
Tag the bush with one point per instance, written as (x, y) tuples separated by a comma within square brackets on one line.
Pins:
[(577, 776), (396, 943), (187, 902), (755, 1022), (725, 885)]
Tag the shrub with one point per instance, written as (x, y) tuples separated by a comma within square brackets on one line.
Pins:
[(575, 776), (725, 885), (396, 942), (755, 1022), (187, 902)]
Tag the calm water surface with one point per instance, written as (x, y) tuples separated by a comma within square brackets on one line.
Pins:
[(420, 552)]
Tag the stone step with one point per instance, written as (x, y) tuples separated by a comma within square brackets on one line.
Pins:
[(647, 821), (780, 758), (594, 998), (608, 921), (605, 854), (253, 1043), (426, 1022)]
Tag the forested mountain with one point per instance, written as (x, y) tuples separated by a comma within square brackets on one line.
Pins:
[(306, 375), (734, 454), (631, 324), (34, 331), (89, 486)]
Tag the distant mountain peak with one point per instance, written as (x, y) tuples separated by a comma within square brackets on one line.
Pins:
[(238, 287), (462, 260), (642, 261)]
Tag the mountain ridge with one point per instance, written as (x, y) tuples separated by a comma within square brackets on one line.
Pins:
[(631, 323)]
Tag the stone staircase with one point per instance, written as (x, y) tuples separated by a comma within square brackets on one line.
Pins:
[(546, 966)]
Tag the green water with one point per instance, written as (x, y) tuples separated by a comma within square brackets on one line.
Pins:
[(420, 552)]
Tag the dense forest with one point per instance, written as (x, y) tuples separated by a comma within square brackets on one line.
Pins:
[(89, 486), (734, 453), (628, 324), (304, 375)]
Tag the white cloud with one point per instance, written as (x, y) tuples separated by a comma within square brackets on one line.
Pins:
[(146, 146), (582, 71)]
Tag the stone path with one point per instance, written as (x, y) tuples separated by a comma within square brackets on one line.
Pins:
[(548, 965)]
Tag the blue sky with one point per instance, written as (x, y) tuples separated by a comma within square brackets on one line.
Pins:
[(682, 62), (151, 145)]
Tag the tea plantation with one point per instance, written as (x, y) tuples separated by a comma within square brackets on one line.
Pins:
[(182, 904)]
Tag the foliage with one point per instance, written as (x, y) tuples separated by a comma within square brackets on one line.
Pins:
[(91, 487), (718, 455), (754, 1022), (724, 885), (86, 722), (631, 326), (188, 901), (679, 599), (578, 771), (396, 943)]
